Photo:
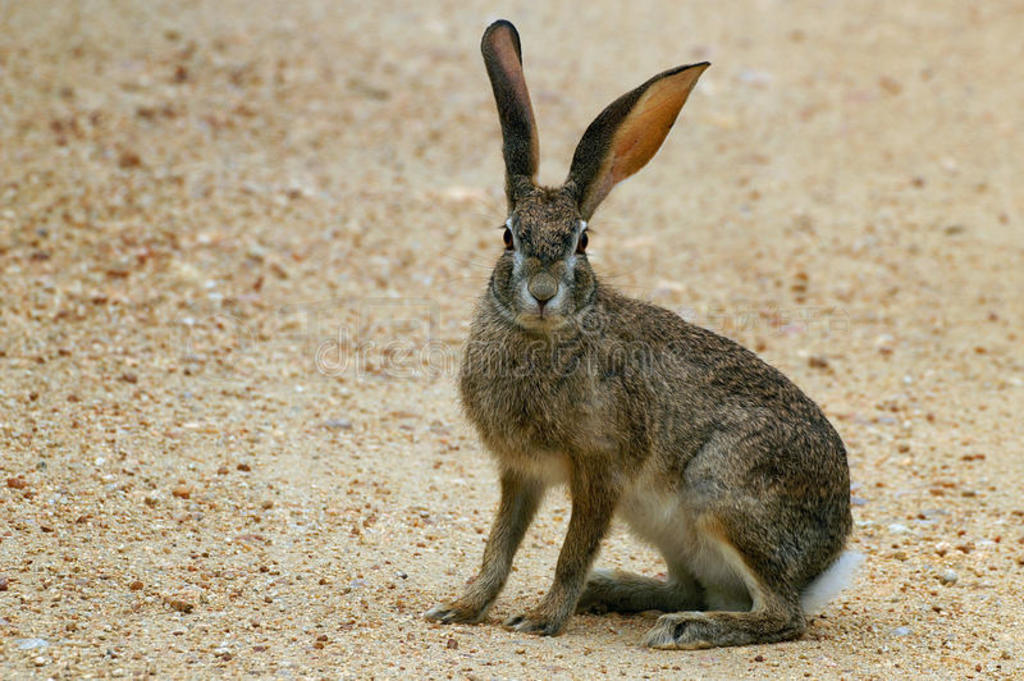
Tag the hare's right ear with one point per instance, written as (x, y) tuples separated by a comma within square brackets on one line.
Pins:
[(504, 60), (627, 134)]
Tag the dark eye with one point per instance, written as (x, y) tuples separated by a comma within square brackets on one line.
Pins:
[(581, 245), (507, 237)]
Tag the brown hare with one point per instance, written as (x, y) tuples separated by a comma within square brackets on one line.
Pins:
[(709, 454)]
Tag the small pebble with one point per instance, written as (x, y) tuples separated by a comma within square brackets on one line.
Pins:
[(900, 631), (948, 577), (180, 605), (129, 159), (31, 643), (817, 362), (890, 85)]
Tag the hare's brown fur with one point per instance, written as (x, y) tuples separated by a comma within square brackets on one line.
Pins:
[(708, 453)]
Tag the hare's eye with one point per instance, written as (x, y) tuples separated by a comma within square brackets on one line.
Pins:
[(509, 242), (581, 245)]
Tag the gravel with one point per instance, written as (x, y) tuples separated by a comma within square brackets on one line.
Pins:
[(241, 243)]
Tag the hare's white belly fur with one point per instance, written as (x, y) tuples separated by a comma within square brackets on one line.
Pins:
[(662, 518)]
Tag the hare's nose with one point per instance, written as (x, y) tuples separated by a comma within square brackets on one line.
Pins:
[(543, 287)]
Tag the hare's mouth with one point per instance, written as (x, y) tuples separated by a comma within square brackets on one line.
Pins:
[(542, 321)]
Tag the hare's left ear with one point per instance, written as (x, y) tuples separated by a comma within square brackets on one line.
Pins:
[(627, 134)]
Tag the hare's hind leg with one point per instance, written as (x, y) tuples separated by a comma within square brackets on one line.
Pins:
[(780, 621), (620, 591), (774, 612)]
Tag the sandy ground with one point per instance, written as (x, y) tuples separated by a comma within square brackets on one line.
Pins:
[(240, 244)]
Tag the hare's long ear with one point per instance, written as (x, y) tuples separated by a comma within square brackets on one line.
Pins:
[(627, 134), (504, 60)]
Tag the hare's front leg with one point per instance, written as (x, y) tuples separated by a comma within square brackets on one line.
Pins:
[(593, 504), (519, 500)]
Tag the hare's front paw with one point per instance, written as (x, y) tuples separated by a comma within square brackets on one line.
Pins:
[(536, 622), (457, 612)]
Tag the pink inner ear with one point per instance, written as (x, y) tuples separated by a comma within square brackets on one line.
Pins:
[(640, 135), (637, 135)]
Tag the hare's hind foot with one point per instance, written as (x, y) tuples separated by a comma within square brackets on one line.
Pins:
[(695, 630), (625, 592), (745, 608)]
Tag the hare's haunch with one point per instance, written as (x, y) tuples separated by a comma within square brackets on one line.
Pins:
[(709, 454)]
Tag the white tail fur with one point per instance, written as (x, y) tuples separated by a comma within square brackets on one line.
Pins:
[(829, 583)]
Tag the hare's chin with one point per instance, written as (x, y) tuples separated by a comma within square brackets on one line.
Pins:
[(534, 322)]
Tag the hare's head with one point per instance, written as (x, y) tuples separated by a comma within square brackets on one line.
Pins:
[(543, 280)]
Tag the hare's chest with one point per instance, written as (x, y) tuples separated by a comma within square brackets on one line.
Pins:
[(527, 415), (533, 421), (526, 435), (551, 467)]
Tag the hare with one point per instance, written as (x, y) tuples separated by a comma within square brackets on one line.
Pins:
[(709, 454)]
